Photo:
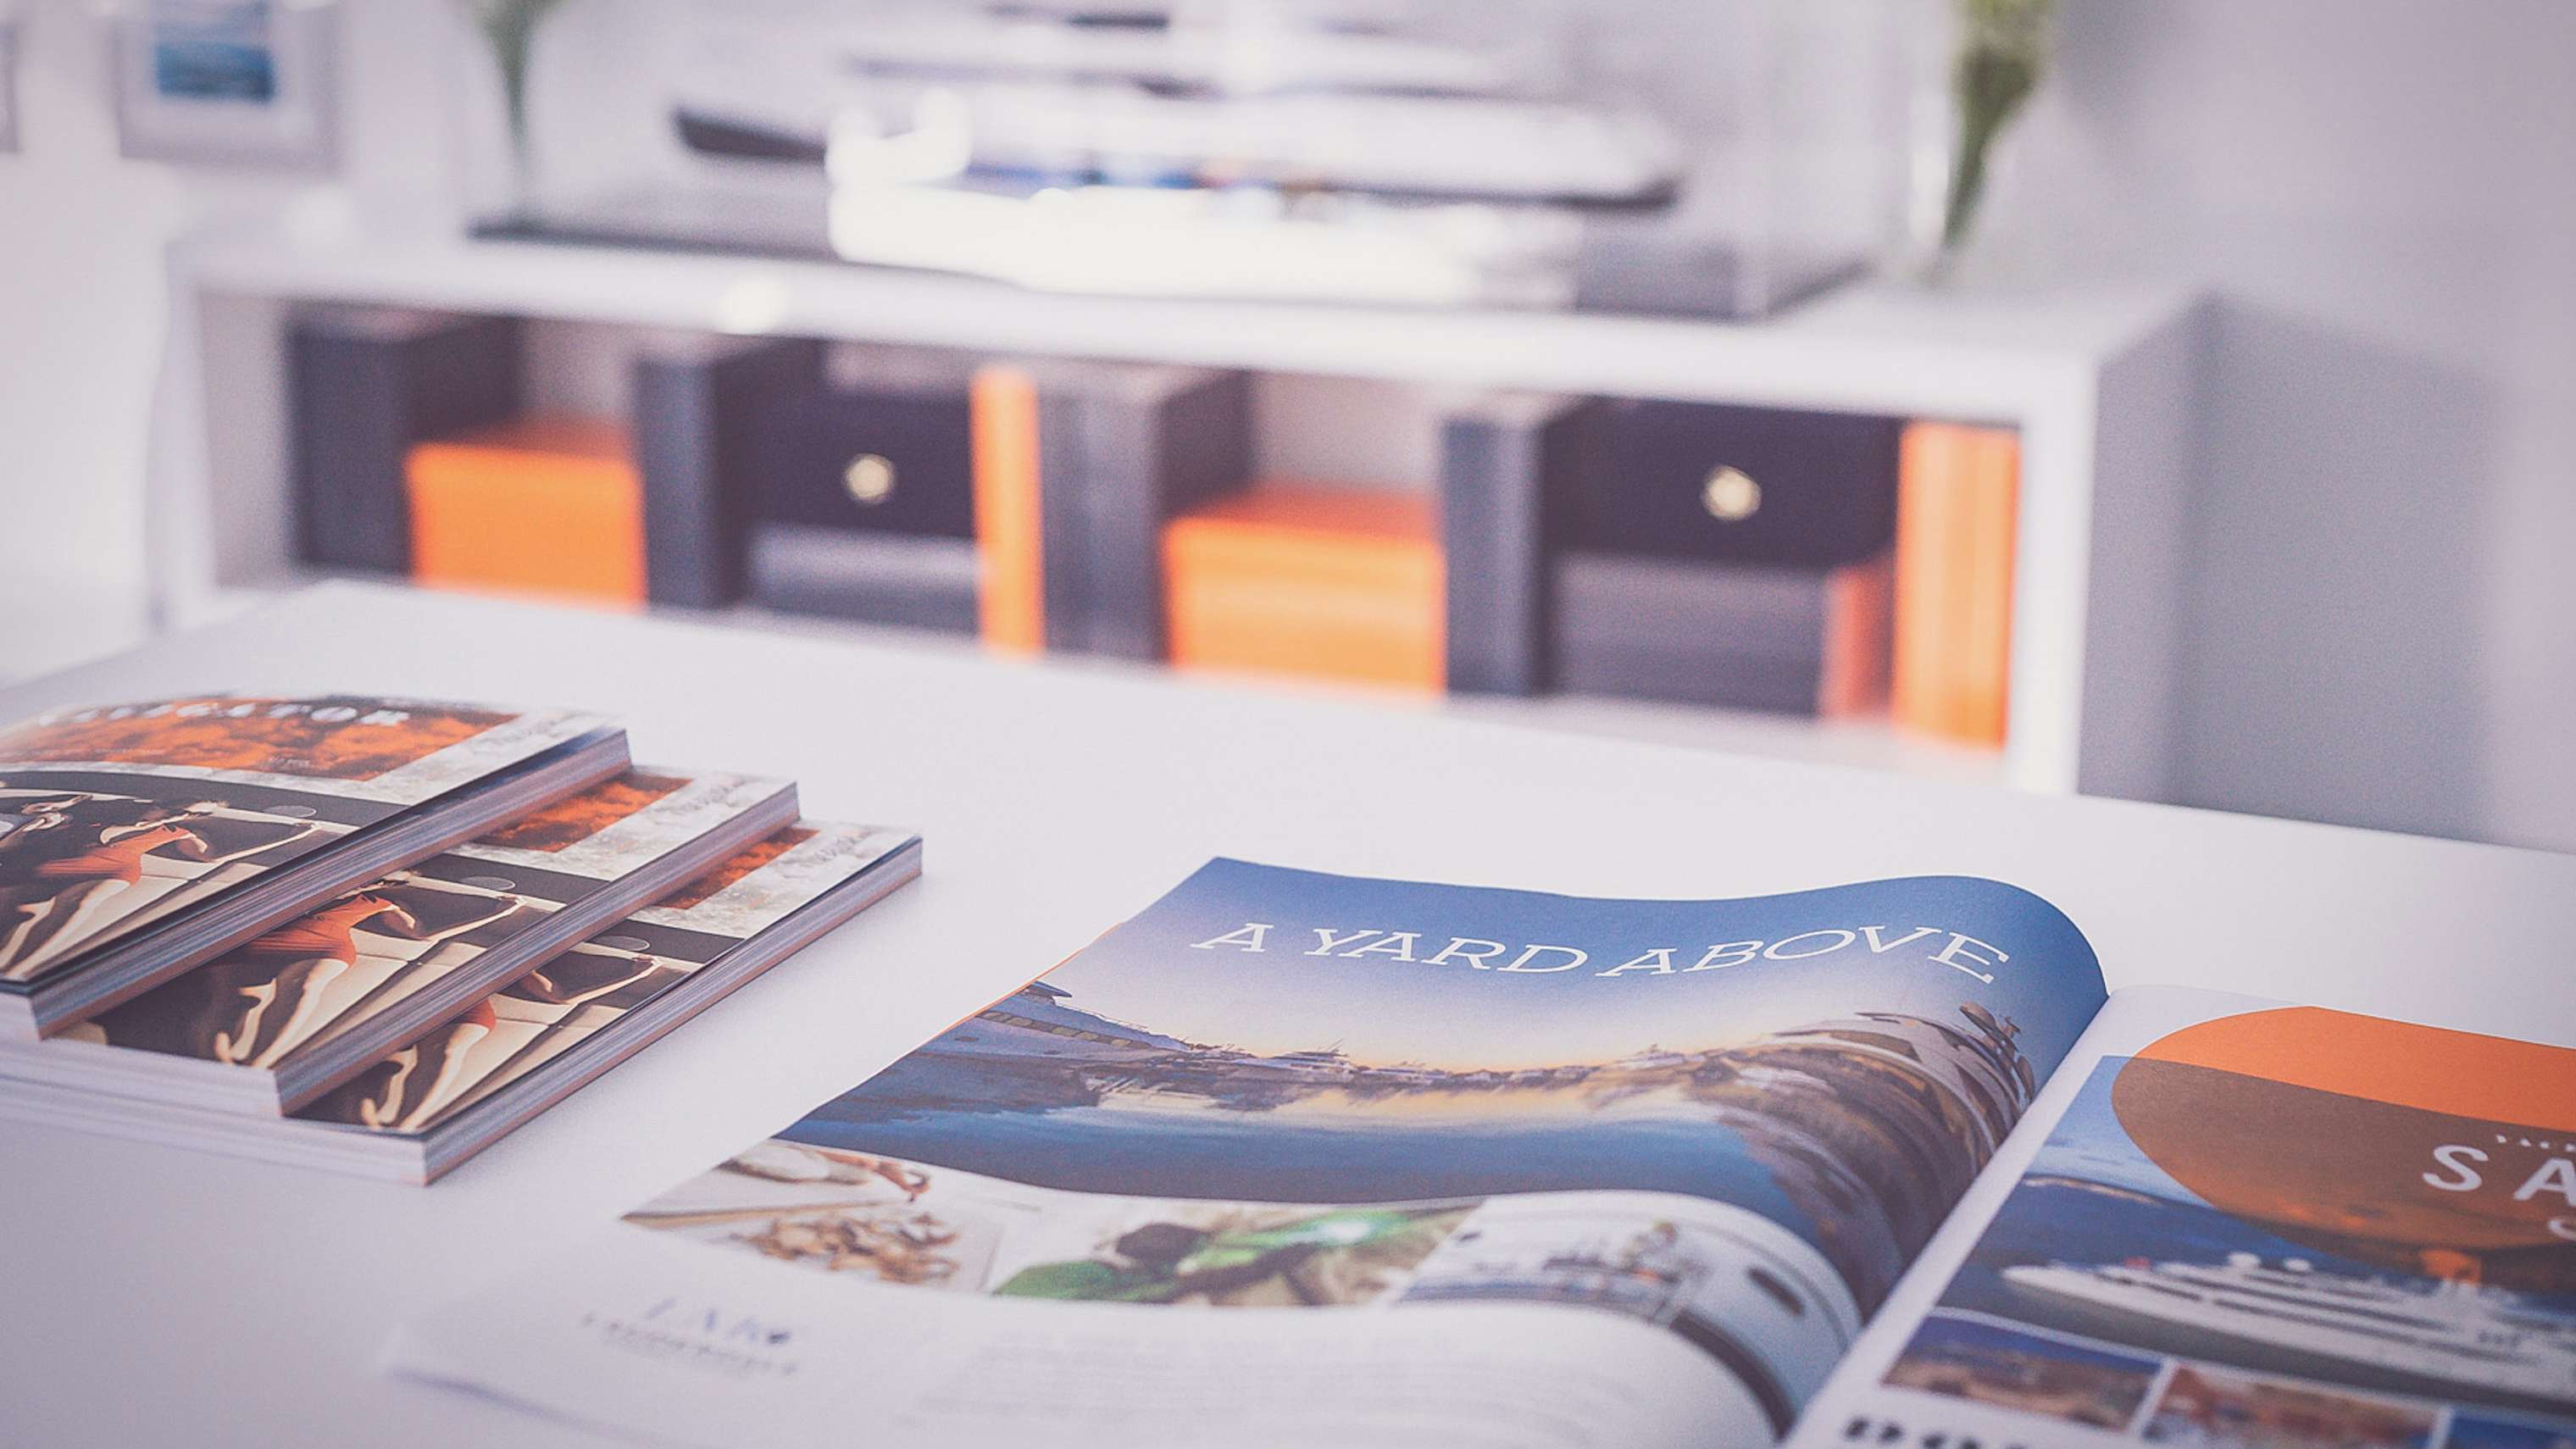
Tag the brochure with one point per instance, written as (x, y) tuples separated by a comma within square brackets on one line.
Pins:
[(273, 1024), (456, 1088), (1301, 1158), (139, 840)]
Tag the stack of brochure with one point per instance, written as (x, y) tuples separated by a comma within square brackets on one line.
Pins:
[(376, 934)]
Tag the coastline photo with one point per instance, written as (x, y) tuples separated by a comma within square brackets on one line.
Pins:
[(1850, 1132)]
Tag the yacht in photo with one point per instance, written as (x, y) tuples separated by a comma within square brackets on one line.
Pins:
[(2450, 1340), (1035, 1023), (1979, 1066), (1320, 1067)]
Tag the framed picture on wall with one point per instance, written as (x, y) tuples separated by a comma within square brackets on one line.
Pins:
[(240, 82)]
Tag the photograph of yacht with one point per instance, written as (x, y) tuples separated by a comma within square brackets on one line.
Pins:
[(2443, 1340), (2388, 1285), (1717, 1276), (1035, 1023)]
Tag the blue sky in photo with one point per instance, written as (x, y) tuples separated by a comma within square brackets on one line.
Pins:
[(2089, 1142), (1385, 1010)]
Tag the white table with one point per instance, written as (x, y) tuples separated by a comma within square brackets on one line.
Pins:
[(161, 1296)]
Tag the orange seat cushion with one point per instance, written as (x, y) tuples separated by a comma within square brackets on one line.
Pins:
[(549, 506), (1324, 582)]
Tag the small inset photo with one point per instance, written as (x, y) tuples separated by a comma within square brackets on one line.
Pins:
[(1246, 1255), (2211, 1408), (1988, 1363), (843, 1212)]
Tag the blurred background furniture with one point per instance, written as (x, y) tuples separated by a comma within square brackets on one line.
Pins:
[(1719, 523), (2363, 615)]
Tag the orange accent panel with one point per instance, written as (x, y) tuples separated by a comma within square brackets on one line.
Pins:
[(2459, 1073), (1958, 492), (1323, 582), (1011, 603), (2433, 1152), (546, 505), (1858, 605)]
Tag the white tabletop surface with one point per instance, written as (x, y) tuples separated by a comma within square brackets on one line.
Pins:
[(162, 1296)]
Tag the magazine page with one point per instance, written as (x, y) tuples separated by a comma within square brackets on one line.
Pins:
[(121, 815), (2237, 1223), (1293, 1156)]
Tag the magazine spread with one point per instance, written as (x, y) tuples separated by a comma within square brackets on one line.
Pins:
[(2241, 1223), (1302, 1157), (119, 817), (274, 1002)]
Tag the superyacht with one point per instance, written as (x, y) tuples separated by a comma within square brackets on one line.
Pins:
[(2446, 1340)]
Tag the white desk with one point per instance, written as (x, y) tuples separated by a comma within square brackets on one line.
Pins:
[(160, 1296)]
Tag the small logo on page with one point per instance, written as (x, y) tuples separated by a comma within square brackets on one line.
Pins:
[(699, 1334)]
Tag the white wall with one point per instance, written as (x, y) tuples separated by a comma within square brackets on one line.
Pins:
[(2382, 191), (81, 238)]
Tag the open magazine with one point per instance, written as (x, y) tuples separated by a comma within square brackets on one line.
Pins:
[(1293, 1157)]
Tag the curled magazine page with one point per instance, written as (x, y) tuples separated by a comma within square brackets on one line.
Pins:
[(2239, 1223), (1293, 1155)]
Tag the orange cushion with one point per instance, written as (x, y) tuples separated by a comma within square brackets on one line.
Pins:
[(549, 506), (1957, 496), (1295, 579)]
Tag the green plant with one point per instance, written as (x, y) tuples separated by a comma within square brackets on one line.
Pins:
[(510, 28), (2002, 51)]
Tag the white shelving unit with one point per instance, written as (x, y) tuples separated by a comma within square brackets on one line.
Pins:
[(2099, 382)]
